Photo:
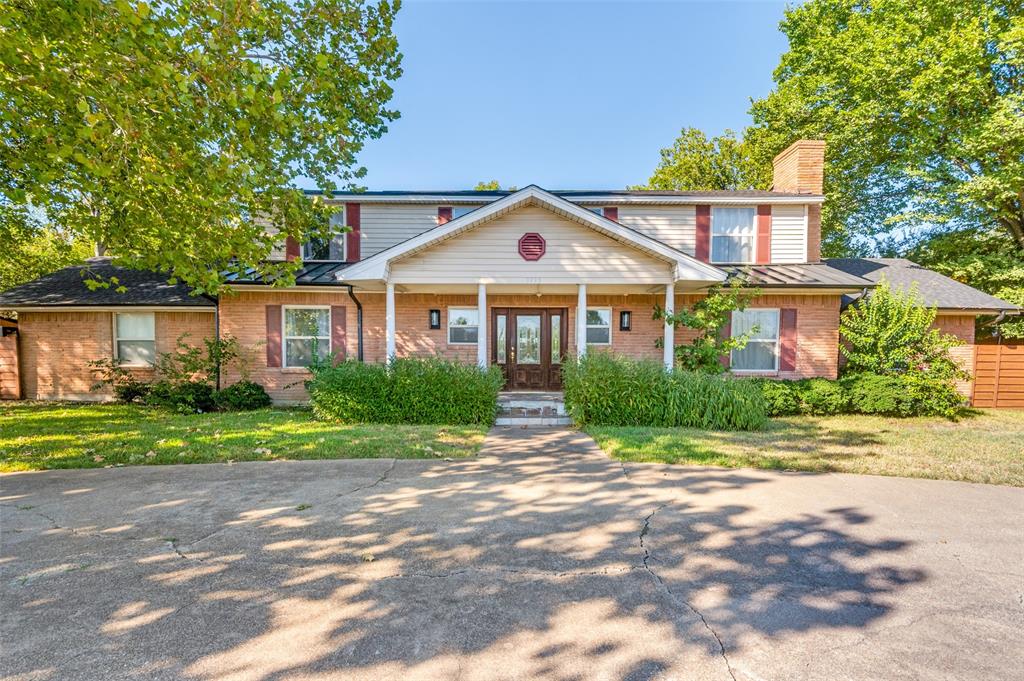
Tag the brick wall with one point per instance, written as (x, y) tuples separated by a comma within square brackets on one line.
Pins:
[(56, 348), (10, 380), (961, 326), (800, 168)]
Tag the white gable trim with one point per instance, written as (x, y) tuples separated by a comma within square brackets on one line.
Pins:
[(378, 266)]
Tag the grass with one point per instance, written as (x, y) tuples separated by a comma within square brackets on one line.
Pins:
[(37, 436), (987, 446)]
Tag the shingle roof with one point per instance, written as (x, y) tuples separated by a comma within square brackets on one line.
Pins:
[(314, 273), (937, 290), (807, 275), (66, 288)]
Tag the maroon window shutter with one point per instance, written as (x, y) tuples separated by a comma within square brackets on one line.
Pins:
[(726, 332), (354, 236), (703, 249), (291, 249), (444, 214), (612, 213), (787, 340), (764, 234), (273, 335), (338, 337)]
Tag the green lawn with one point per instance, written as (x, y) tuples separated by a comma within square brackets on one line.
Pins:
[(47, 435), (987, 446)]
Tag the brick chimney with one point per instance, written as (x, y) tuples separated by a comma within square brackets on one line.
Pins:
[(800, 168)]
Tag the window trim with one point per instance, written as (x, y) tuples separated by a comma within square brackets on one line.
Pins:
[(467, 209), (448, 326), (285, 336), (778, 339), (339, 225), (753, 238), (600, 326), (117, 339)]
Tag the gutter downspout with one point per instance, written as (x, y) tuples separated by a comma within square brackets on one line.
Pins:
[(216, 333), (359, 322)]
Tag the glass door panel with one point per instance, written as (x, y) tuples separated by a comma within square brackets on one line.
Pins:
[(556, 339), (528, 339), (499, 341)]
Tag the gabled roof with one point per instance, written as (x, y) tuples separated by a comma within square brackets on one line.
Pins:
[(802, 275), (66, 288), (687, 267), (588, 196), (937, 290)]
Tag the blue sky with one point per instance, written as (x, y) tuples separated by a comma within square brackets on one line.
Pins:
[(565, 94)]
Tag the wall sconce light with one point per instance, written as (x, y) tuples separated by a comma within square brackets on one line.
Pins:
[(625, 320), (435, 319)]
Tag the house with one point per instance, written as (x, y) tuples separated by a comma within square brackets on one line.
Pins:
[(511, 278)]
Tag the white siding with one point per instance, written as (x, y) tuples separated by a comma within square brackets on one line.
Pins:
[(489, 253), (384, 225), (675, 226), (789, 234)]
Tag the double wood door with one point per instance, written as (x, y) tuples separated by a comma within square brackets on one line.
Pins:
[(529, 344)]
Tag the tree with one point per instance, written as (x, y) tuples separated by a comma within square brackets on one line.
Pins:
[(173, 132), (694, 162), (892, 332), (986, 259), (32, 250), (922, 105), (491, 186), (707, 317)]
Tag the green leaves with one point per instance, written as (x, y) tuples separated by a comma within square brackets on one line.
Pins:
[(180, 129), (696, 163)]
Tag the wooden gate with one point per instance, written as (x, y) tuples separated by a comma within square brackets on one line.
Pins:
[(999, 376)]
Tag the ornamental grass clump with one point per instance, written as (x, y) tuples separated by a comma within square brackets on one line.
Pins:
[(410, 390), (609, 390)]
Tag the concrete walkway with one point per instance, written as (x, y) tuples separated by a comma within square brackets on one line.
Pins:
[(539, 559)]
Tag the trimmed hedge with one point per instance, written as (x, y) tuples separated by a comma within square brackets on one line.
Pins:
[(411, 390), (242, 396), (892, 395), (609, 390)]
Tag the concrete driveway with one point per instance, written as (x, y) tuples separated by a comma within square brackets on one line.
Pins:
[(540, 559)]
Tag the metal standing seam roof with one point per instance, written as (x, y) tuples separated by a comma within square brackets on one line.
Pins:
[(66, 288), (312, 273), (570, 194), (936, 290), (809, 275)]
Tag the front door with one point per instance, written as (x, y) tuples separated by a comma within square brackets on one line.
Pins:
[(529, 344)]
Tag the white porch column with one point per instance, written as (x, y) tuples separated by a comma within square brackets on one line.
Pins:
[(389, 323), (581, 321), (481, 334), (670, 344)]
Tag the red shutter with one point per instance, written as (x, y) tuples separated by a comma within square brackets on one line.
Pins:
[(764, 234), (703, 249), (612, 213), (291, 249), (338, 336), (444, 214), (787, 340), (726, 332), (353, 238), (273, 335)]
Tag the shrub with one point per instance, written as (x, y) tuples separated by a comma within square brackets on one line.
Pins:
[(242, 396), (823, 397), (604, 389), (903, 395), (125, 385), (185, 396), (782, 398), (410, 390)]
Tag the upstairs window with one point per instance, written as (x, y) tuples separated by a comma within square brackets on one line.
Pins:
[(459, 211), (307, 332), (762, 350), (596, 209), (463, 325), (733, 230), (135, 338), (328, 249)]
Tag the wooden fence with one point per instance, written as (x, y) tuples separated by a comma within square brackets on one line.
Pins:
[(999, 376)]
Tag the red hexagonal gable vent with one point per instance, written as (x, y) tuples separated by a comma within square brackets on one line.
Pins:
[(532, 246)]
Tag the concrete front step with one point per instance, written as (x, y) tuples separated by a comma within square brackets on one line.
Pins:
[(531, 404), (535, 421)]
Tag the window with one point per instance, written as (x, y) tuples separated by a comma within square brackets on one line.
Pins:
[(599, 326), (135, 338), (459, 211), (463, 325), (596, 209), (307, 330), (556, 339), (323, 249), (762, 350), (733, 232)]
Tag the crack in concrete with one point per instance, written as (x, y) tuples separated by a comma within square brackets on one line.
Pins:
[(492, 571), (382, 478), (661, 582), (173, 544)]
